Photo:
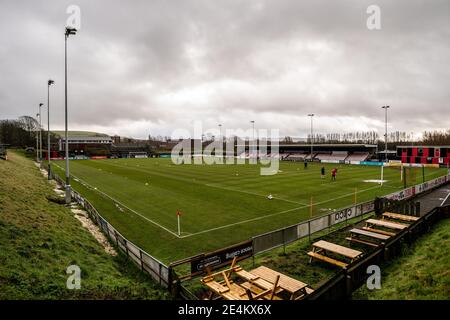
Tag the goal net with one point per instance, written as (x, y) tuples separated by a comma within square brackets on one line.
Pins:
[(137, 154)]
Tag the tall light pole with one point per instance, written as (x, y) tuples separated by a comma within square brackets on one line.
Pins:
[(221, 139), (69, 31), (311, 115), (40, 132), (386, 131), (253, 137), (49, 83), (37, 139)]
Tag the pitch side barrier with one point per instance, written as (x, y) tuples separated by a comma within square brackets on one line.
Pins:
[(157, 270)]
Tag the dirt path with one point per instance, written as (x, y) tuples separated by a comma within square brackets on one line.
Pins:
[(82, 216)]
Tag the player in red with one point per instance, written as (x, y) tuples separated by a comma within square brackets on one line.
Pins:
[(333, 174)]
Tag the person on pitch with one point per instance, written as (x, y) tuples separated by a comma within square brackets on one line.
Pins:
[(333, 174)]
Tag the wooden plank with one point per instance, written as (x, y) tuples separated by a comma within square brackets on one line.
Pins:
[(353, 239), (289, 284), (256, 290), (387, 233), (216, 287), (246, 275), (399, 216), (332, 247), (327, 259), (370, 234), (387, 224)]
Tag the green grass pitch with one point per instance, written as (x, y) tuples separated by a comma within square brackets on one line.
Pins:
[(220, 204)]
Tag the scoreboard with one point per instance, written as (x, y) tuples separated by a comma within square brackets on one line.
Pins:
[(424, 154)]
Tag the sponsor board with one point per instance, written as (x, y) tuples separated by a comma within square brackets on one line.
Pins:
[(330, 161), (371, 163), (222, 257)]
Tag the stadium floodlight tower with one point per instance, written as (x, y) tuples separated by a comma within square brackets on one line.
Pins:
[(311, 115), (386, 131), (37, 138), (49, 83), (253, 138), (40, 131), (69, 31)]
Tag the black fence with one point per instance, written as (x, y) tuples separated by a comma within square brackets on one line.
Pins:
[(344, 282)]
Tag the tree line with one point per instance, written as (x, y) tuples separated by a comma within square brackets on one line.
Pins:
[(21, 132)]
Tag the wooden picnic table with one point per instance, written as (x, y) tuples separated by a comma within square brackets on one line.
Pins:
[(295, 287), (386, 224), (325, 246), (338, 249), (370, 234), (231, 292), (255, 279), (355, 236), (398, 216)]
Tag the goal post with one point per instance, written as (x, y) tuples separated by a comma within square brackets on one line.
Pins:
[(137, 154)]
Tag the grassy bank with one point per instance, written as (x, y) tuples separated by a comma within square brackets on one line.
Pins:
[(422, 272), (40, 239)]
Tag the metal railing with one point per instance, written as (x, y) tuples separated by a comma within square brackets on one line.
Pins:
[(155, 268)]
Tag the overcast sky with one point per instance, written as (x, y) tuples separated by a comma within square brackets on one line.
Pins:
[(150, 67)]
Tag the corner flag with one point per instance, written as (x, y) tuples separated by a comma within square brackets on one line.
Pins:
[(178, 220)]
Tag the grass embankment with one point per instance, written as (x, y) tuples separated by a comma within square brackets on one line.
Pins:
[(40, 239), (421, 273)]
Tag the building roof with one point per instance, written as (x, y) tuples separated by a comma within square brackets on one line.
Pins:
[(87, 138), (80, 134)]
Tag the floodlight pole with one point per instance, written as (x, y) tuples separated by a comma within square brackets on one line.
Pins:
[(49, 83), (311, 115), (37, 141), (40, 132), (253, 137), (69, 31), (386, 131)]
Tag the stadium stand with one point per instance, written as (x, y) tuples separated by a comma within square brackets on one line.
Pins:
[(358, 156), (297, 157), (333, 156)]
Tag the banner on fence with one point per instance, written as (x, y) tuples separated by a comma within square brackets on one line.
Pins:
[(222, 257)]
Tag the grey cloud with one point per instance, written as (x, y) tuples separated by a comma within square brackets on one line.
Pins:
[(163, 64)]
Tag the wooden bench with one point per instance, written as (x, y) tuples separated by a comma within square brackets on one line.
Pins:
[(228, 293), (318, 256), (386, 233), (257, 290), (355, 236), (293, 286), (402, 217), (385, 224)]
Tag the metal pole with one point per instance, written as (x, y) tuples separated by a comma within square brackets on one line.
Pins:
[(386, 132), (68, 196), (311, 115), (312, 137), (48, 128), (37, 141), (40, 133)]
